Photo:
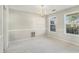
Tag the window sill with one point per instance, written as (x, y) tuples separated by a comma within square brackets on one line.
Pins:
[(73, 35)]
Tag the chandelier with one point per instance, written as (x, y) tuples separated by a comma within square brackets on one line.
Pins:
[(43, 10)]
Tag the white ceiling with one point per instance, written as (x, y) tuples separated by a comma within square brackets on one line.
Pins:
[(38, 9)]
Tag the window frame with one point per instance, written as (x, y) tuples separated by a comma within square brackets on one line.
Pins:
[(77, 35), (52, 24)]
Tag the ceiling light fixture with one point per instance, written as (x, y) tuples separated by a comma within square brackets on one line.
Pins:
[(54, 10), (43, 10)]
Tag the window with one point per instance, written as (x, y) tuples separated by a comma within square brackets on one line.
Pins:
[(72, 23), (52, 23)]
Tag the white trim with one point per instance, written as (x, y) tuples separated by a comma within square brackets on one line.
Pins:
[(2, 29), (72, 12), (5, 28), (65, 24), (18, 30), (49, 22), (7, 19), (24, 29)]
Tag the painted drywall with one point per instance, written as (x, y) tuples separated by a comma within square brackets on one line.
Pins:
[(21, 24), (1, 40), (59, 34)]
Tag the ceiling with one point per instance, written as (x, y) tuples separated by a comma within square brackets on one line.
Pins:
[(41, 9)]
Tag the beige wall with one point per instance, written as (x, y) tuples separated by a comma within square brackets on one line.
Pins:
[(59, 34), (21, 24)]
